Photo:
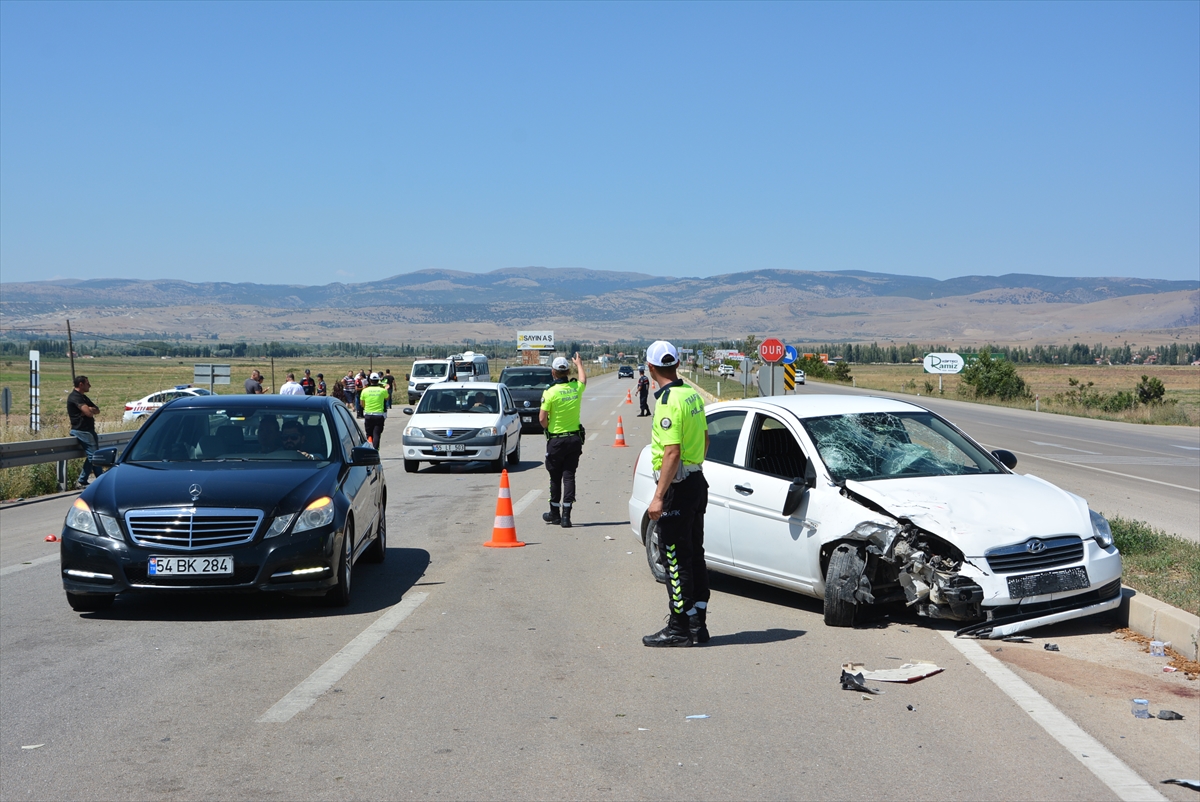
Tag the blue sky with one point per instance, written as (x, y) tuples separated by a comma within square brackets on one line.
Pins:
[(308, 143)]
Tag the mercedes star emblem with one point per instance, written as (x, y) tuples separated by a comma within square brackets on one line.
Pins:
[(194, 491)]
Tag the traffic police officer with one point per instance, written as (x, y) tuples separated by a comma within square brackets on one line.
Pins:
[(678, 443), (561, 404), (643, 388), (374, 404)]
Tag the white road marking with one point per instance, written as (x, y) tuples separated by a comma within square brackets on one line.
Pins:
[(605, 421), (525, 501), (1101, 470), (592, 436), (1108, 768), (1189, 448), (1068, 448), (1104, 459), (307, 692), (12, 569)]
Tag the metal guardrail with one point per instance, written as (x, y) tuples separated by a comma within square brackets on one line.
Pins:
[(59, 449)]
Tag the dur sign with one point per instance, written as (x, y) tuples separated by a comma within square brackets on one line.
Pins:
[(943, 363), (535, 341)]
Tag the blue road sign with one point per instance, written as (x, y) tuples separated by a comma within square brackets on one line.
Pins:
[(790, 355)]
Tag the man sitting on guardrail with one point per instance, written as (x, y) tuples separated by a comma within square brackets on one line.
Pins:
[(82, 413)]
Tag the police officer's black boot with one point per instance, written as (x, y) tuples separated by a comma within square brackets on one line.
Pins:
[(552, 517), (566, 515), (697, 623), (675, 633)]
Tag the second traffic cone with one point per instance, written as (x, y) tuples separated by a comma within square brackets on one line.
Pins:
[(620, 441), (504, 530), (629, 396)]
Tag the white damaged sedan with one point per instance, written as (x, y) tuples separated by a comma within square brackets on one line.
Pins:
[(859, 500)]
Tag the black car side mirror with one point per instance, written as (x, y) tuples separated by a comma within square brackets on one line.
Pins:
[(364, 455), (407, 410), (104, 457), (1006, 458), (799, 487)]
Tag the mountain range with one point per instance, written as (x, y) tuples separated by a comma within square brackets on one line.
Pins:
[(607, 305)]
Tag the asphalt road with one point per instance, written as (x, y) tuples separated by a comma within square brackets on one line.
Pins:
[(519, 673)]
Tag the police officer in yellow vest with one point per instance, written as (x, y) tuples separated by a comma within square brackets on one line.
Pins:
[(374, 404), (678, 443), (561, 404)]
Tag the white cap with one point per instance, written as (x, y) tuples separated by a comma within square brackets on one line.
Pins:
[(560, 363), (662, 354), (374, 377)]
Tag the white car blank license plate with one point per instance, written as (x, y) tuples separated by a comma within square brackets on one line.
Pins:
[(183, 566), (450, 447)]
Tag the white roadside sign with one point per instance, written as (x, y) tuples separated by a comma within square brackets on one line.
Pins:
[(943, 363), (535, 341)]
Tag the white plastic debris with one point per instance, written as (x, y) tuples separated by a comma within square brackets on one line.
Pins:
[(909, 672), (702, 715), (33, 746)]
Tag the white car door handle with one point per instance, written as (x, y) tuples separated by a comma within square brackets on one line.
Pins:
[(745, 490)]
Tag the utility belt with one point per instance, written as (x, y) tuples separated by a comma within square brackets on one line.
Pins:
[(682, 473), (552, 436)]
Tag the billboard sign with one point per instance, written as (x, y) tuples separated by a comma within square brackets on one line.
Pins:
[(943, 363), (535, 341)]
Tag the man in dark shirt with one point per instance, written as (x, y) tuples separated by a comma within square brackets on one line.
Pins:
[(322, 388), (643, 388), (254, 383), (310, 386), (82, 413)]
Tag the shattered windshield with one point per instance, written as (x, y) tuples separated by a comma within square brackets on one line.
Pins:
[(890, 445)]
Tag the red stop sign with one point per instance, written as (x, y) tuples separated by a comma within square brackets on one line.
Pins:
[(771, 350)]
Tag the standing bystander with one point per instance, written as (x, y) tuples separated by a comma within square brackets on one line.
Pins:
[(322, 389), (291, 386), (254, 383), (82, 413), (310, 386), (643, 388)]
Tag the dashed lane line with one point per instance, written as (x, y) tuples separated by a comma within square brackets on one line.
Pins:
[(1102, 470), (304, 695), (1108, 768), (525, 501), (593, 436), (12, 569)]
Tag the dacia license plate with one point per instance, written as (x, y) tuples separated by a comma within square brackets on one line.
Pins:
[(1020, 587), (444, 447), (527, 418), (184, 566)]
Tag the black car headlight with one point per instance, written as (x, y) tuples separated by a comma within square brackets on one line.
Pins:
[(80, 518), (319, 513), (279, 525), (1101, 530)]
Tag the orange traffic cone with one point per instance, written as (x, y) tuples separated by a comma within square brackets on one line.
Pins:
[(620, 441), (629, 396), (504, 531)]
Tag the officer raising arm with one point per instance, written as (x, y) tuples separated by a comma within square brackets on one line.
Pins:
[(561, 404), (678, 443)]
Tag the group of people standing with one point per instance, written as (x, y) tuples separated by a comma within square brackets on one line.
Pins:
[(369, 395)]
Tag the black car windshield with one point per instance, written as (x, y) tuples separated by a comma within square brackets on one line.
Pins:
[(459, 399), (242, 434), (526, 379), (429, 370), (891, 445)]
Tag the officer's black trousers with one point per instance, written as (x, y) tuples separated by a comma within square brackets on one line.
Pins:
[(562, 458), (645, 410), (681, 543), (374, 427)]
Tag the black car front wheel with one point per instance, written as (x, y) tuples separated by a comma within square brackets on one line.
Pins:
[(90, 602), (653, 553), (514, 459), (339, 594), (411, 465)]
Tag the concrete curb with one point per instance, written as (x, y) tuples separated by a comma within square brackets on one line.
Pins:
[(1160, 621), (8, 505), (708, 397)]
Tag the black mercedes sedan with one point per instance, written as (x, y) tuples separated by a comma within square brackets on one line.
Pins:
[(229, 493), (526, 383)]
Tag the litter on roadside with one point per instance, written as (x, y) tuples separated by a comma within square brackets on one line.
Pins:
[(1169, 669), (609, 537), (1193, 784), (909, 672), (33, 746), (1018, 639), (702, 715), (1050, 647), (1169, 715), (855, 682)]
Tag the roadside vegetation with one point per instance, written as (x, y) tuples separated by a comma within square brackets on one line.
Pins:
[(1160, 565)]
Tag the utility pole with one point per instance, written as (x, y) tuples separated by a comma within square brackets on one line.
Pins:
[(71, 352)]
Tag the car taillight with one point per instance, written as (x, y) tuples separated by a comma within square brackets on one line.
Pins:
[(128, 407)]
